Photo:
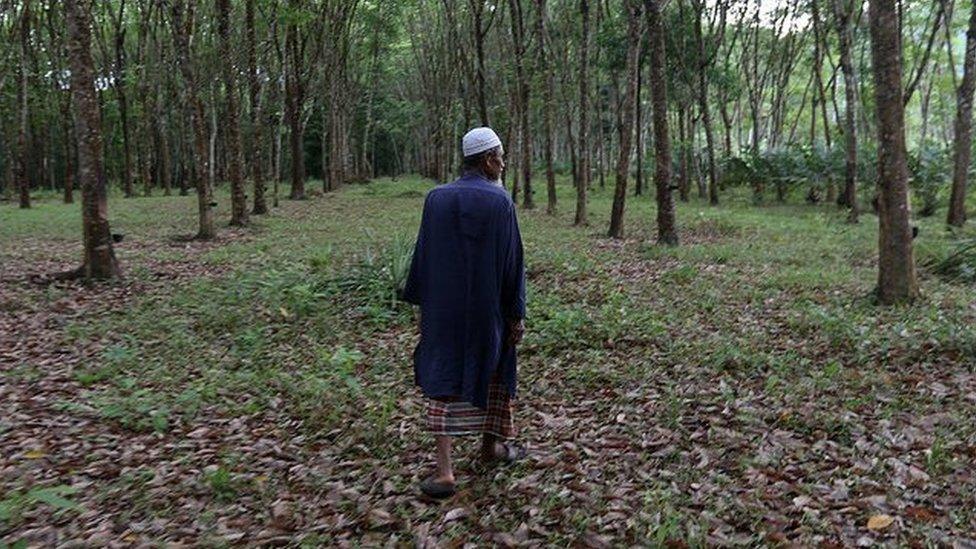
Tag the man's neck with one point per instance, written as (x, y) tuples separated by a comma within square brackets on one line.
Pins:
[(480, 174)]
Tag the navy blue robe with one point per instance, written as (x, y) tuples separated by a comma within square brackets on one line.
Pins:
[(468, 277)]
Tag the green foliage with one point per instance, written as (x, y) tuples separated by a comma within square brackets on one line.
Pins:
[(371, 285), (956, 263), (16, 503), (786, 169), (812, 169), (221, 483), (928, 166), (140, 409)]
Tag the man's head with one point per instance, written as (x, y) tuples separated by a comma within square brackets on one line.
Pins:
[(483, 152)]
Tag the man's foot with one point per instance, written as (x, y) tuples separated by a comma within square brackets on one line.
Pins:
[(438, 487), (502, 452)]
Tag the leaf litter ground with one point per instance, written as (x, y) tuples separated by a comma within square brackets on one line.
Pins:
[(738, 390)]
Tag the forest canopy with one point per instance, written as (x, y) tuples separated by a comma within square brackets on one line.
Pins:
[(379, 88)]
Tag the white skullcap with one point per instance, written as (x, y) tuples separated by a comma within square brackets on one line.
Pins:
[(479, 140)]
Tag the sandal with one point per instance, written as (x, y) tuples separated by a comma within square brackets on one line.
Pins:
[(514, 453), (437, 490)]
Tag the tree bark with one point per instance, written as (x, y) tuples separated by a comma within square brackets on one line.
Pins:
[(477, 9), (638, 129), (294, 102), (666, 231), (69, 170), (897, 280), (963, 128), (231, 123), (254, 98), (165, 163), (182, 22), (633, 17), (684, 185), (842, 17), (99, 258), (703, 102), (522, 88), (547, 107), (123, 100), (23, 106), (584, 161)]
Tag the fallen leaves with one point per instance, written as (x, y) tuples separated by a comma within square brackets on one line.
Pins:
[(457, 513), (283, 515), (880, 522), (724, 425), (920, 513)]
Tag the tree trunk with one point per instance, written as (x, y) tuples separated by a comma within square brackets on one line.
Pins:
[(584, 161), (666, 231), (626, 119), (214, 132), (547, 106), (201, 160), (23, 105), (99, 258), (165, 163), (522, 89), (69, 170), (821, 96), (842, 16), (232, 141), (703, 101), (896, 263), (123, 100), (254, 98), (293, 112), (638, 128), (277, 114), (964, 125), (477, 9), (684, 185)]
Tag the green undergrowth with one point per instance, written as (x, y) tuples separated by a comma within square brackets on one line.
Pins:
[(774, 296)]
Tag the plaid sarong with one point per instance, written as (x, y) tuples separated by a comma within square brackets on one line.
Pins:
[(453, 418)]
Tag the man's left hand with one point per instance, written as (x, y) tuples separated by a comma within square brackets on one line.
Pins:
[(516, 329)]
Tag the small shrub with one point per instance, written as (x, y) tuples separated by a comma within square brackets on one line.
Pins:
[(373, 283), (957, 264)]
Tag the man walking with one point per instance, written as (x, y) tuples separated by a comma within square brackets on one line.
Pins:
[(468, 278)]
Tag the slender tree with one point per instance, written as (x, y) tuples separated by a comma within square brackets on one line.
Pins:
[(238, 199), (962, 145), (522, 89), (99, 258), (23, 107), (896, 264), (633, 16), (181, 21), (703, 64), (583, 178), (480, 32), (295, 83), (638, 130), (843, 13), (255, 112), (666, 231), (120, 84), (547, 102)]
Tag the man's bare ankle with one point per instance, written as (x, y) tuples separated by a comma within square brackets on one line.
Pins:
[(444, 478)]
